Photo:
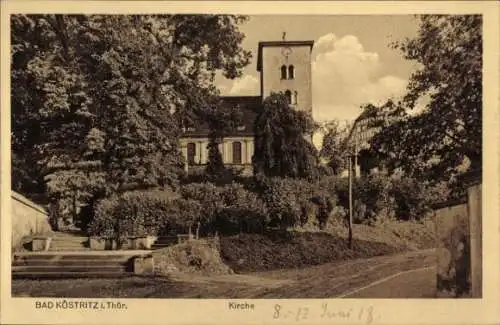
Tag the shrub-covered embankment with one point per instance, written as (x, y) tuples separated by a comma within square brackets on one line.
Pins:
[(251, 252), (296, 249)]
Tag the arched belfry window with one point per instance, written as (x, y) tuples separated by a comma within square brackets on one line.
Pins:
[(191, 153), (288, 95), (236, 152), (291, 72), (283, 72)]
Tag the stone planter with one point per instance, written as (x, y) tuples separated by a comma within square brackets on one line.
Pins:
[(99, 243), (144, 265), (125, 243), (139, 243), (41, 244), (151, 240)]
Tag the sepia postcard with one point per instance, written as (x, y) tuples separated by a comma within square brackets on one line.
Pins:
[(239, 162)]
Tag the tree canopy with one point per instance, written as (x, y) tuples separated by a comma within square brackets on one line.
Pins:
[(283, 145), (442, 139), (98, 100), (334, 146)]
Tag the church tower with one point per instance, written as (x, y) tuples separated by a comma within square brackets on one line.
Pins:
[(285, 66)]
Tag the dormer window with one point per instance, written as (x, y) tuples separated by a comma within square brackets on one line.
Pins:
[(241, 128)]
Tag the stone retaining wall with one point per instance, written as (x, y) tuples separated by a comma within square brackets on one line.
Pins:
[(453, 251), (459, 230), (28, 219)]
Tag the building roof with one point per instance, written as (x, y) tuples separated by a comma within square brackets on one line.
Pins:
[(249, 106), (279, 44)]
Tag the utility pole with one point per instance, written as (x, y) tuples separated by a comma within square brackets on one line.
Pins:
[(356, 156), (350, 201)]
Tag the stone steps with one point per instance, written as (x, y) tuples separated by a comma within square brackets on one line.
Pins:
[(160, 246), (71, 238), (69, 275), (58, 265), (163, 242), (67, 263), (71, 268), (76, 256), (68, 243)]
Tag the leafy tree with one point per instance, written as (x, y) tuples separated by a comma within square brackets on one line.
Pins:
[(221, 119), (282, 141), (98, 101), (334, 147), (51, 119), (444, 138)]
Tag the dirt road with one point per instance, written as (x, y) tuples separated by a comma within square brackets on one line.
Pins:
[(409, 275)]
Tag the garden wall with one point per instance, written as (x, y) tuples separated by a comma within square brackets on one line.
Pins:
[(28, 219), (459, 233), (453, 251)]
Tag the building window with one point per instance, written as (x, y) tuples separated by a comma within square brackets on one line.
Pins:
[(191, 153), (295, 96), (291, 72), (236, 152), (283, 72), (288, 95)]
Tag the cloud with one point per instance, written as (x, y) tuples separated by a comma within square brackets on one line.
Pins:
[(346, 76), (245, 86)]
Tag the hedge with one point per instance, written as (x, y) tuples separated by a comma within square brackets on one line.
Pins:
[(294, 202), (227, 209), (135, 213)]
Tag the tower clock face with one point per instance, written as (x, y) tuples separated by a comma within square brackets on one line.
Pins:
[(286, 51)]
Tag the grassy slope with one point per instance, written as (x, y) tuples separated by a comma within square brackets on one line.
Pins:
[(294, 249)]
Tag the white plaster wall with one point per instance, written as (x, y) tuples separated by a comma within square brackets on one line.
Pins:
[(27, 219), (226, 149)]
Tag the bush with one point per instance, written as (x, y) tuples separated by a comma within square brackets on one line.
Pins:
[(227, 209), (370, 197), (242, 211), (283, 198), (135, 213), (288, 201), (376, 197), (180, 214), (371, 191), (208, 196), (413, 199), (198, 257)]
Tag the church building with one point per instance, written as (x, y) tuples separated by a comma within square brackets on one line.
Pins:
[(284, 66)]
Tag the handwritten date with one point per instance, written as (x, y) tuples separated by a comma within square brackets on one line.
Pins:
[(364, 315)]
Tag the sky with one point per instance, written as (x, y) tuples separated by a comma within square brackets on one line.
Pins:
[(352, 61)]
